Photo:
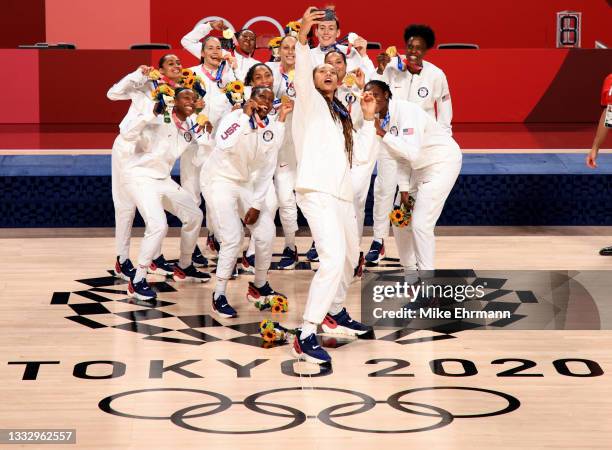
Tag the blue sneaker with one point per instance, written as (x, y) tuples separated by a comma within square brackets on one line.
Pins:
[(198, 259), (159, 266), (223, 308), (342, 323), (248, 263), (125, 271), (289, 259), (376, 253), (309, 350), (190, 274), (263, 294), (312, 254), (141, 290)]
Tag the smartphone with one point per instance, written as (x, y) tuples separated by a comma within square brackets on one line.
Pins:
[(330, 14), (227, 44)]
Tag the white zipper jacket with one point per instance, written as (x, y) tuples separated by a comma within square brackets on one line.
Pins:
[(159, 144), (353, 60), (416, 140), (241, 151), (322, 162), (429, 90)]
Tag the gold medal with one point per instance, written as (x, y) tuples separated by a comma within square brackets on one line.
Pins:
[(350, 79), (285, 99), (201, 119), (228, 34), (391, 51)]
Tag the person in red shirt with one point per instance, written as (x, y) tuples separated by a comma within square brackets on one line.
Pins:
[(605, 122)]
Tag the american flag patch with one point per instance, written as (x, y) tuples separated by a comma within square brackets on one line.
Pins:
[(445, 97), (408, 131)]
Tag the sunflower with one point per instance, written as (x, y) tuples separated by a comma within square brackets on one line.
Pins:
[(188, 83), (187, 73), (269, 336), (267, 345), (274, 42), (277, 308), (294, 25), (166, 90), (235, 86)]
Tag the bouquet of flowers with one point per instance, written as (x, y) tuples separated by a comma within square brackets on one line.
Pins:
[(401, 216), (277, 304), (274, 46), (273, 332), (163, 95), (234, 90), (293, 28), (190, 80)]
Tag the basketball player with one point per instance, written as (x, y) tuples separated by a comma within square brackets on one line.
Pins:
[(418, 81), (146, 180), (216, 70), (243, 52), (605, 123), (136, 87), (326, 148), (429, 162), (247, 141)]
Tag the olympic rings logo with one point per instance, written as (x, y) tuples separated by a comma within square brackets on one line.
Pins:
[(294, 417)]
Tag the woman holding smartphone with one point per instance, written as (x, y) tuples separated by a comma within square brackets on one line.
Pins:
[(326, 148)]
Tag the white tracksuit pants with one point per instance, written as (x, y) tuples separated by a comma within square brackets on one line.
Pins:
[(361, 177), (284, 183), (385, 186), (334, 228), (151, 197), (430, 187), (271, 205), (125, 208), (190, 181), (230, 201)]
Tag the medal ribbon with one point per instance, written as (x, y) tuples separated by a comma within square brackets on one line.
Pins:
[(255, 119), (218, 75), (385, 121)]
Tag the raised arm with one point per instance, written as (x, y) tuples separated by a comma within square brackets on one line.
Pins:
[(129, 83), (304, 84), (191, 41), (134, 128), (363, 144)]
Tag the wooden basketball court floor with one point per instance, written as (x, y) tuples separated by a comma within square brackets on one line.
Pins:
[(125, 376)]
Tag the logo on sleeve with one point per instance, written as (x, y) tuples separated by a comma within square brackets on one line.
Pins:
[(408, 131), (268, 136), (393, 130), (350, 98), (188, 137), (423, 92), (233, 127)]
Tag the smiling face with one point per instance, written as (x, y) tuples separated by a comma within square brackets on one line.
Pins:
[(262, 77), (416, 48), (211, 52), (337, 62), (381, 97), (287, 51), (184, 103), (171, 67), (264, 100), (246, 41), (325, 79), (327, 33)]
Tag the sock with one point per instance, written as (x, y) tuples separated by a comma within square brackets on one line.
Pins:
[(184, 260), (141, 272), (220, 288), (290, 240), (335, 308), (308, 328), (379, 240), (260, 278), (122, 259)]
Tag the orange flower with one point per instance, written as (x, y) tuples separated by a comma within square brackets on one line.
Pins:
[(277, 308), (269, 336)]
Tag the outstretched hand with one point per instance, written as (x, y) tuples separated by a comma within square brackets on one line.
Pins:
[(310, 17)]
